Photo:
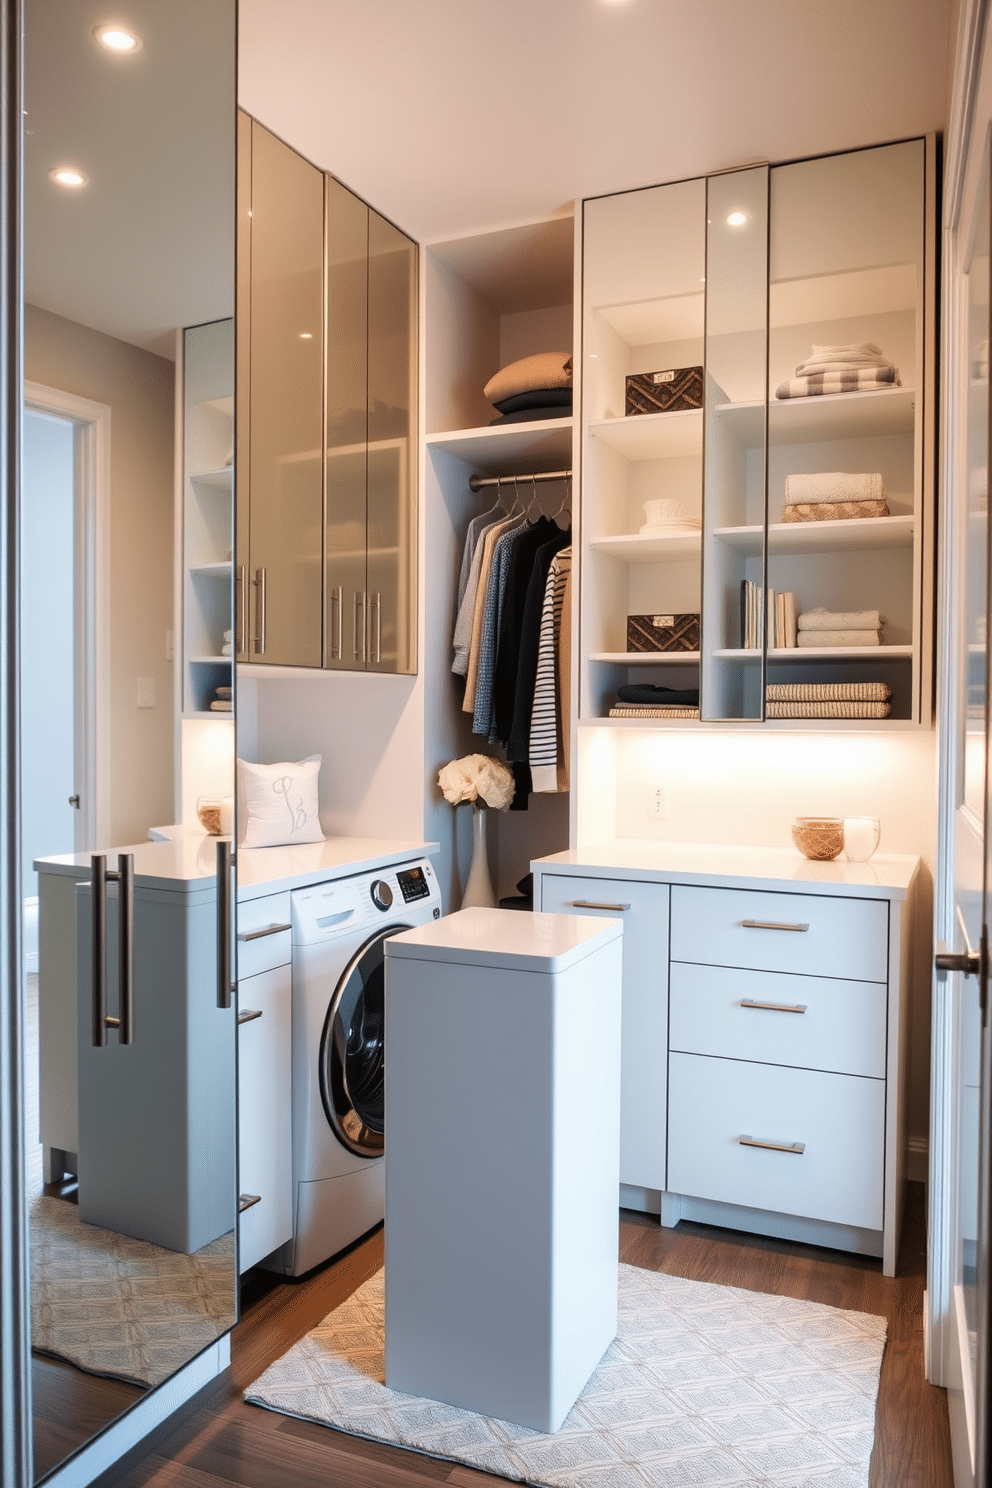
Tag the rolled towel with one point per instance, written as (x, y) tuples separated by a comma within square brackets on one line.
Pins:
[(834, 511), (821, 619), (833, 485), (810, 640), (225, 650)]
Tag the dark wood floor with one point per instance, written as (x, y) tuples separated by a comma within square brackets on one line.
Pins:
[(218, 1441)]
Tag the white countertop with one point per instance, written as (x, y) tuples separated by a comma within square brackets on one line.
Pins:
[(884, 876), (492, 938), (188, 861)]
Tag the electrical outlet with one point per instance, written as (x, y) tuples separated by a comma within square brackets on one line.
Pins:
[(657, 803)]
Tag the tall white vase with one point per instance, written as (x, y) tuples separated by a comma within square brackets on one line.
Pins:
[(478, 890)]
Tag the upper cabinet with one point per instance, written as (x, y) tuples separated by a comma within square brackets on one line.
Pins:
[(791, 508), (327, 399)]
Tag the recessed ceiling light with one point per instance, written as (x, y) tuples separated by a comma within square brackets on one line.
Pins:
[(306, 335), (68, 175), (116, 39), (737, 219)]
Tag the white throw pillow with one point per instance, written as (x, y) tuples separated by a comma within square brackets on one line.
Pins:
[(278, 803)]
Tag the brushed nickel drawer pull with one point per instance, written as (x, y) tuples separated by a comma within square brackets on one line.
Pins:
[(260, 934), (774, 1007), (770, 925), (593, 904), (248, 1015), (245, 1201), (796, 1148)]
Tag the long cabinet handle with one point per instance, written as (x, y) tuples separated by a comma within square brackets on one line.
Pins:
[(244, 640), (594, 904), (774, 1007), (225, 981), (796, 1148), (358, 632), (337, 614), (261, 934), (260, 611), (245, 1201), (377, 625), (771, 925), (100, 875), (248, 1015)]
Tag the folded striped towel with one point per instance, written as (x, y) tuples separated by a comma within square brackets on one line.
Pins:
[(833, 485), (834, 511), (811, 639), (863, 380), (827, 692), (821, 619), (828, 710)]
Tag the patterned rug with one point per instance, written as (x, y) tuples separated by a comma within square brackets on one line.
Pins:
[(706, 1385), (122, 1307)]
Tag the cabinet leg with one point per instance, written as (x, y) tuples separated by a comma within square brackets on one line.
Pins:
[(57, 1164), (671, 1210)]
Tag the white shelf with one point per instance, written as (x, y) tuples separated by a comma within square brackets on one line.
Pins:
[(852, 534), (220, 477), (213, 570), (211, 713), (820, 653), (210, 660), (825, 416), (508, 449), (634, 547), (653, 436), (647, 658)]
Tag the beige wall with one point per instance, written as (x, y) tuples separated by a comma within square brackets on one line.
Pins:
[(139, 389)]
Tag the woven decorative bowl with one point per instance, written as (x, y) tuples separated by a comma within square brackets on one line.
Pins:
[(819, 837)]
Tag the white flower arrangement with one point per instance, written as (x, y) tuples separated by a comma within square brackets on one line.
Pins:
[(477, 778)]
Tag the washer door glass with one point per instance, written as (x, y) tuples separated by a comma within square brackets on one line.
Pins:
[(352, 1050)]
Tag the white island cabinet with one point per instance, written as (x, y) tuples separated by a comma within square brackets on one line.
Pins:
[(763, 1033)]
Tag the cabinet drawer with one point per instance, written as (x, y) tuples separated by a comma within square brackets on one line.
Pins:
[(839, 1120), (812, 934), (261, 945), (643, 908), (265, 1114), (813, 1022)]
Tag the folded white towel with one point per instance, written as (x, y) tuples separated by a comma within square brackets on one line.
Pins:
[(834, 485), (811, 640), (842, 358), (228, 634), (821, 619), (225, 650)]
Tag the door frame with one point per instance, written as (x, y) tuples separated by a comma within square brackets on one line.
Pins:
[(91, 606)]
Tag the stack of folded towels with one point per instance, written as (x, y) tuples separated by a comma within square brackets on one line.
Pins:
[(822, 627), (222, 700), (841, 369), (827, 700), (536, 387), (643, 700), (833, 495)]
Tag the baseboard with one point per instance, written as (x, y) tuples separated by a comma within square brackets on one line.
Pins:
[(918, 1160), (29, 945)]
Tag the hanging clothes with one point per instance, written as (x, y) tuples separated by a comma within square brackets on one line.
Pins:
[(508, 639), (549, 714), (483, 721), (518, 744)]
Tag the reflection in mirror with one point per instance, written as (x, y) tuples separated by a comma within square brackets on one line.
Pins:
[(127, 510)]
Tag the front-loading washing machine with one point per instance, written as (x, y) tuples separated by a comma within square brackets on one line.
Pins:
[(339, 929)]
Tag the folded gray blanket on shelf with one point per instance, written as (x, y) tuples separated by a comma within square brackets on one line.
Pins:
[(827, 692), (864, 380), (821, 619), (811, 640), (833, 485), (828, 710)]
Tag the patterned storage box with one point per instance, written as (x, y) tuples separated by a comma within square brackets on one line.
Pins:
[(664, 392), (662, 632)]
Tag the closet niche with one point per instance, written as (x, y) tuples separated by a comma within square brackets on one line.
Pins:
[(745, 273), (490, 300), (327, 381)]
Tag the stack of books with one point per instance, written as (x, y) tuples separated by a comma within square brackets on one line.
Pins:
[(783, 614)]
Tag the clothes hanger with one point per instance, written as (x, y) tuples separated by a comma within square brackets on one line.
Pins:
[(565, 509), (533, 502)]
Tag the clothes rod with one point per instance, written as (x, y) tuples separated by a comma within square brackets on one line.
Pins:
[(476, 482)]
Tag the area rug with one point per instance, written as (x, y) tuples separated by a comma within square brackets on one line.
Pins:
[(121, 1307), (705, 1387)]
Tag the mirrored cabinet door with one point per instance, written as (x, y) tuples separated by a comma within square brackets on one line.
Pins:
[(643, 293), (735, 444)]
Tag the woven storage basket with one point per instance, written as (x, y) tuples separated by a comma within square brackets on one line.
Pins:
[(820, 837)]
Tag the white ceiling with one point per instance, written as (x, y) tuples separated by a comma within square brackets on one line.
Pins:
[(453, 116), (450, 116)]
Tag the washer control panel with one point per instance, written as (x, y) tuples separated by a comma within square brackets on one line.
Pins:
[(413, 884)]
